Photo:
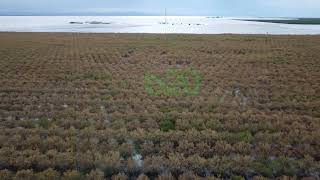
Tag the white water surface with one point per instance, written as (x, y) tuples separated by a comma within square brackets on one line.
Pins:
[(149, 24)]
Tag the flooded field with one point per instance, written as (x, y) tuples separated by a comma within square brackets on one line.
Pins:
[(94, 106), (151, 24)]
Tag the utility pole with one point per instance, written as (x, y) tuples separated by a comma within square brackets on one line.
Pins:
[(165, 15)]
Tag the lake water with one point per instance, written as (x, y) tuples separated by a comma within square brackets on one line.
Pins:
[(148, 24)]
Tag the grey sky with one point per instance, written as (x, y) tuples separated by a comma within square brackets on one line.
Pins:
[(279, 8)]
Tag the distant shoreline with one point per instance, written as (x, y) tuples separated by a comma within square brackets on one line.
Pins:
[(304, 21)]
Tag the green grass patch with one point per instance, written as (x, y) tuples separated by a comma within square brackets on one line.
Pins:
[(175, 82), (44, 123), (245, 136), (168, 123), (273, 168)]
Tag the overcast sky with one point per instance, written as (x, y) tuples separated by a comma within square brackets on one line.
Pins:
[(269, 8)]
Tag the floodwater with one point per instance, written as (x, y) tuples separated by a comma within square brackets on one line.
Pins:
[(148, 24)]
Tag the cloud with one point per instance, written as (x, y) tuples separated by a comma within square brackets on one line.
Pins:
[(301, 4)]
